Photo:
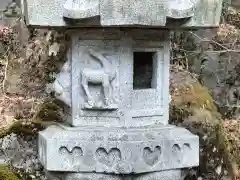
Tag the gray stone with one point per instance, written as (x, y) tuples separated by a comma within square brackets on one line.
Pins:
[(90, 176), (4, 4), (202, 13), (22, 154), (117, 102), (178, 9), (117, 128), (12, 11), (117, 150), (125, 12), (163, 175), (62, 84), (80, 9), (118, 124), (3, 7)]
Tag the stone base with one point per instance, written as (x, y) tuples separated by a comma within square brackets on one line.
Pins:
[(117, 150), (163, 175), (100, 107)]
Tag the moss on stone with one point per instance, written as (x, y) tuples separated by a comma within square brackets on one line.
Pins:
[(190, 97), (193, 108), (19, 128), (7, 174), (49, 111), (194, 96)]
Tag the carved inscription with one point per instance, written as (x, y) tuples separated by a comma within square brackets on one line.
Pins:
[(110, 158), (73, 156), (102, 76), (152, 157)]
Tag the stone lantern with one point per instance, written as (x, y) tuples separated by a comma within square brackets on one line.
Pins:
[(116, 85)]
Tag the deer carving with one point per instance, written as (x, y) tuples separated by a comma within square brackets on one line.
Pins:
[(102, 76)]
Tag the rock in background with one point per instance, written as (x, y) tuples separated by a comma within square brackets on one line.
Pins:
[(207, 103), (29, 60)]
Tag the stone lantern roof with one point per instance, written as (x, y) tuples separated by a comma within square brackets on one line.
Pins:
[(123, 13)]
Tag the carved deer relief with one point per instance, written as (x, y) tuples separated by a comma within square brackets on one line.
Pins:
[(102, 76)]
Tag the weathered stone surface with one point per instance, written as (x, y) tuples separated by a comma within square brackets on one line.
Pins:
[(204, 13), (102, 90), (81, 9), (101, 144), (4, 4), (165, 175), (62, 84), (117, 150), (125, 12), (178, 9), (118, 128)]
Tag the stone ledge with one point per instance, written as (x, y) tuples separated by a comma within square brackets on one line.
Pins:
[(112, 150)]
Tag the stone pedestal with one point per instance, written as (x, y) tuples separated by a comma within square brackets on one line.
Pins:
[(117, 150)]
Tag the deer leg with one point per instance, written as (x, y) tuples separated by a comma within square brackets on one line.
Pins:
[(106, 90), (86, 89), (110, 96)]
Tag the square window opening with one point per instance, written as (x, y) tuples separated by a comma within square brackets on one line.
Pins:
[(143, 70)]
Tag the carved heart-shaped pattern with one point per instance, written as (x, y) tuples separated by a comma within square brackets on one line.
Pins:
[(181, 151), (152, 157), (71, 157), (109, 158)]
